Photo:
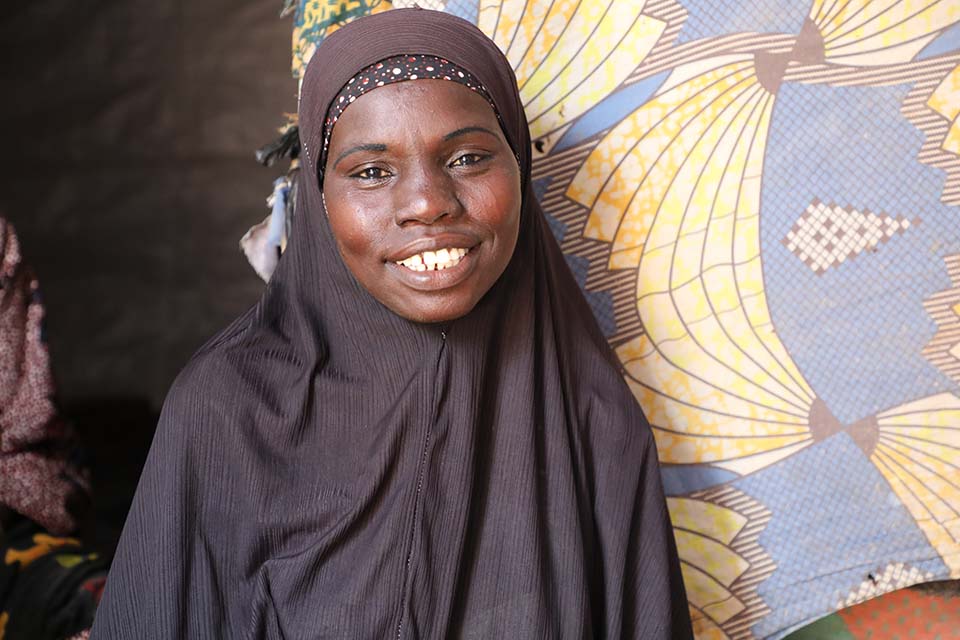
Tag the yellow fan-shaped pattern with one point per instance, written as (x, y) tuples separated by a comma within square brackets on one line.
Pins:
[(568, 54), (918, 451), (704, 532), (945, 100), (879, 32), (704, 628), (675, 187)]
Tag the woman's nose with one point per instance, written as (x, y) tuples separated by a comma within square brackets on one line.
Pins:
[(426, 196)]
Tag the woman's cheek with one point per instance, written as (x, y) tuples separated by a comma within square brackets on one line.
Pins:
[(356, 226), (488, 202)]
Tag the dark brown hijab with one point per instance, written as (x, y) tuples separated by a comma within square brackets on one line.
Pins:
[(326, 469)]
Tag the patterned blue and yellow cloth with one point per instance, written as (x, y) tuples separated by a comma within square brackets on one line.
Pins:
[(762, 205)]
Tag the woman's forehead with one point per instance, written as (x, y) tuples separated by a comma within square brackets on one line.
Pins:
[(401, 68), (410, 109)]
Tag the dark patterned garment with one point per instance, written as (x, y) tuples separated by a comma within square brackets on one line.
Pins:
[(37, 476), (49, 584)]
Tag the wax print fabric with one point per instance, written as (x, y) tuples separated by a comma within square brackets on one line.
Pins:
[(49, 584)]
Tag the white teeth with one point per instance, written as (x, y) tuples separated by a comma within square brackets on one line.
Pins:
[(434, 260)]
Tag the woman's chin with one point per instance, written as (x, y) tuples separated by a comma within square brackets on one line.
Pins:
[(435, 310)]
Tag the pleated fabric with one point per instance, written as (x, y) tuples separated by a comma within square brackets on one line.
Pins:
[(326, 469)]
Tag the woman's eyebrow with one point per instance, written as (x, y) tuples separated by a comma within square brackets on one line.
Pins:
[(360, 147), (466, 130)]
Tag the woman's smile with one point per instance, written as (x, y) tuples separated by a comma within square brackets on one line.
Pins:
[(435, 270), (434, 260)]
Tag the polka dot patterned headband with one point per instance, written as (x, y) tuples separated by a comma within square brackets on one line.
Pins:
[(396, 69)]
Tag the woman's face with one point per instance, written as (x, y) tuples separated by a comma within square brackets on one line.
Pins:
[(423, 197)]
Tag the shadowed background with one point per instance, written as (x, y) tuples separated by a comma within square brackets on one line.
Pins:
[(128, 131)]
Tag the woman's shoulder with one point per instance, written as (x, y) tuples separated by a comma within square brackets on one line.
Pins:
[(234, 391), (189, 415), (609, 411)]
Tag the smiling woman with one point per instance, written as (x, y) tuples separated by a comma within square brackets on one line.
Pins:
[(419, 431)]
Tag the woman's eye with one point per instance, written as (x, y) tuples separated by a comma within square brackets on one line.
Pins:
[(468, 159), (371, 173)]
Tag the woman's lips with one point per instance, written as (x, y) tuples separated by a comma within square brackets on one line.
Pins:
[(423, 278)]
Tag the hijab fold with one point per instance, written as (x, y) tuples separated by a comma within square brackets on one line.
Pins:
[(326, 469)]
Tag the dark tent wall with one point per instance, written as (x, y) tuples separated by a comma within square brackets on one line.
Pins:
[(128, 132)]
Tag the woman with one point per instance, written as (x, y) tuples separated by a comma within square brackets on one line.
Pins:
[(419, 431)]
